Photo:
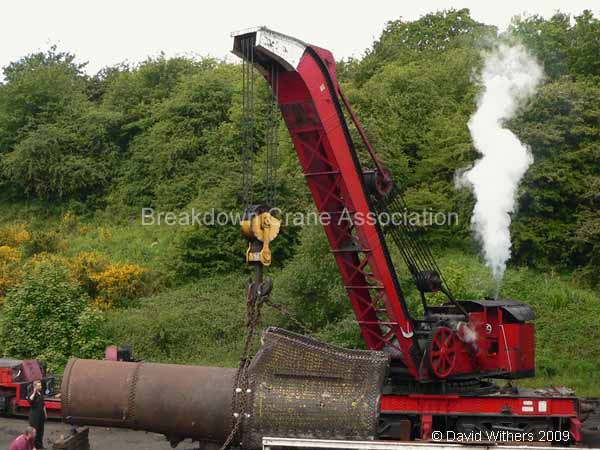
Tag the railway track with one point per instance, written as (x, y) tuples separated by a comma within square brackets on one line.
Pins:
[(591, 425)]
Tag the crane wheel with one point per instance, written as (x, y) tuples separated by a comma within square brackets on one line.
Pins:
[(441, 351)]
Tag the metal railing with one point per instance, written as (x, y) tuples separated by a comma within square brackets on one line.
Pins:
[(272, 443)]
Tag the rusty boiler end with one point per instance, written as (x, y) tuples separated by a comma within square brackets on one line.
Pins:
[(174, 400)]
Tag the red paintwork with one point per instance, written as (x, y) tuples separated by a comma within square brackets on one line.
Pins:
[(442, 355), (491, 405), (309, 103), (426, 426), (575, 429), (507, 348), (428, 406), (490, 341), (311, 116), (15, 391)]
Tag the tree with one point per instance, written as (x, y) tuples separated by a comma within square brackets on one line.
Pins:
[(54, 144), (52, 57), (404, 41), (165, 161), (48, 317), (40, 89), (64, 160), (563, 48), (557, 203), (135, 91)]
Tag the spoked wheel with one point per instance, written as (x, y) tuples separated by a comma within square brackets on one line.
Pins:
[(441, 352)]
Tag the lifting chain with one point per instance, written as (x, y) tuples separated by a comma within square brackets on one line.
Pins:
[(259, 227), (257, 294), (286, 313)]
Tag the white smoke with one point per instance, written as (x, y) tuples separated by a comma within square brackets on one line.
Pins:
[(510, 75)]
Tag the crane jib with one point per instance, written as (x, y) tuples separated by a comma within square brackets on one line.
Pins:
[(451, 341), (334, 175)]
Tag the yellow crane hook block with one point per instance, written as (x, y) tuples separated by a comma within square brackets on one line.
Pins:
[(260, 228)]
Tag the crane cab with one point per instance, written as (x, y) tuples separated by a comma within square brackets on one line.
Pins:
[(495, 339)]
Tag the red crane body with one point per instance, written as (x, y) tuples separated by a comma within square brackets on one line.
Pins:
[(337, 189), (455, 343), (492, 340)]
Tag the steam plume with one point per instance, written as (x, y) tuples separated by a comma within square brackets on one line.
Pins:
[(510, 75)]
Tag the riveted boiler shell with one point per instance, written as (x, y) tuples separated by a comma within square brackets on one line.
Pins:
[(175, 400)]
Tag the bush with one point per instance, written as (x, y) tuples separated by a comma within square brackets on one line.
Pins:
[(14, 235), (201, 323), (9, 254), (44, 165), (48, 317), (10, 270), (69, 222), (43, 258), (85, 266), (310, 285), (43, 242), (202, 251), (107, 284), (116, 283)]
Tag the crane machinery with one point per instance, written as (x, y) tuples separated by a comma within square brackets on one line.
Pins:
[(420, 374)]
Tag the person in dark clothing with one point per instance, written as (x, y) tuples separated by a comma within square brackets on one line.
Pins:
[(37, 413)]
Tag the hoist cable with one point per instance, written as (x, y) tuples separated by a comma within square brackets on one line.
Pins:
[(247, 119), (248, 125), (416, 254), (272, 140)]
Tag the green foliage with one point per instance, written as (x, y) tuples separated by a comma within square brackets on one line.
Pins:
[(133, 91), (567, 323), (153, 134), (53, 144), (205, 250), (43, 241), (130, 242), (558, 207), (433, 33), (414, 91), (309, 286), (51, 58), (39, 89), (213, 311), (202, 251), (587, 240), (48, 317), (58, 161), (167, 161), (564, 46), (166, 134)]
